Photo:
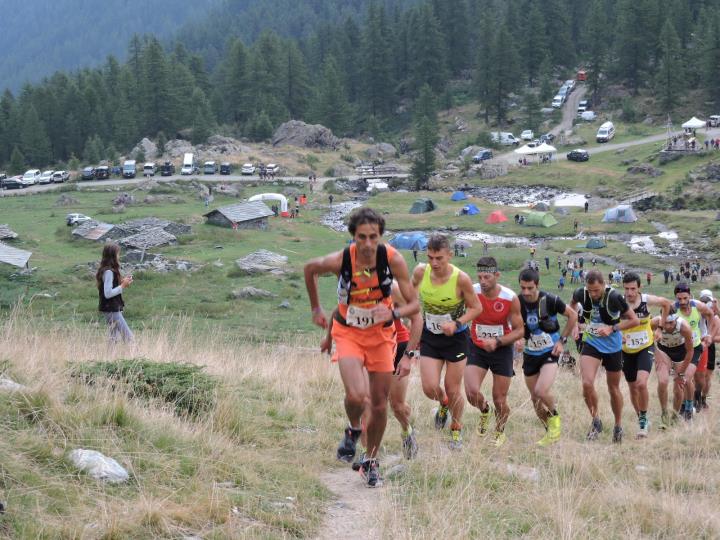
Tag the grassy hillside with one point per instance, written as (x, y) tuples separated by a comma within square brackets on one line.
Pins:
[(250, 467)]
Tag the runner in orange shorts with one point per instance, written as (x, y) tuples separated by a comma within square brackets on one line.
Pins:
[(364, 329)]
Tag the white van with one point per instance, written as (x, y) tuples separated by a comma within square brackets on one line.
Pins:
[(149, 169), (188, 166), (557, 101), (31, 177), (605, 132), (505, 138)]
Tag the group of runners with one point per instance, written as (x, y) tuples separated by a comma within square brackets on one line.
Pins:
[(463, 331)]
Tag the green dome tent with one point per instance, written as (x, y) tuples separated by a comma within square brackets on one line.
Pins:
[(539, 219), (595, 243), (422, 205)]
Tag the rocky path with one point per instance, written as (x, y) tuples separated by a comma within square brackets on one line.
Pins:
[(350, 515)]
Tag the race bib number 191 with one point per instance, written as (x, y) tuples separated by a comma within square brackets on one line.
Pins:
[(359, 317)]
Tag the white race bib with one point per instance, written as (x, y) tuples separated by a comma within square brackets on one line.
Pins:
[(483, 331), (539, 342), (637, 340), (593, 329), (359, 317), (434, 322)]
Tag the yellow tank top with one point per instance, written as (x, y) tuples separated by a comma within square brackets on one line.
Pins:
[(641, 336), (441, 299)]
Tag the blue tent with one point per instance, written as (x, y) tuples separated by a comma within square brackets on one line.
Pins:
[(412, 240), (470, 210), (459, 196)]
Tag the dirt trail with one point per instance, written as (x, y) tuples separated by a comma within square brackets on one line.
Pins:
[(350, 515)]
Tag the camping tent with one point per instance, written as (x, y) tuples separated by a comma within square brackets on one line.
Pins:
[(422, 205), (694, 123), (541, 207), (620, 214), (562, 211), (595, 243), (411, 240), (496, 217), (459, 196), (539, 219), (470, 210)]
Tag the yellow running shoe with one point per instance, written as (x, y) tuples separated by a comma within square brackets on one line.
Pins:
[(484, 421), (552, 435), (500, 439), (456, 442)]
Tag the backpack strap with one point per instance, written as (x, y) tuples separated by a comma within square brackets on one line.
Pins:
[(384, 274), (345, 278)]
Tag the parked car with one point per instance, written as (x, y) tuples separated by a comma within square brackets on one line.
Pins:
[(248, 168), (578, 155), (582, 106), (102, 172), (570, 84), (3, 177), (482, 155), (149, 169), (527, 135), (714, 120), (46, 177), (225, 168), (210, 167), (605, 133), (61, 176), (14, 182), (88, 173), (76, 219), (272, 168), (547, 138), (558, 101), (31, 177), (504, 137), (167, 169)]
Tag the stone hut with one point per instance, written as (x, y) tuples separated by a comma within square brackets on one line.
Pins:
[(248, 215)]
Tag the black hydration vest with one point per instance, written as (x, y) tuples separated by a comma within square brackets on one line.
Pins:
[(113, 304), (605, 315), (546, 323)]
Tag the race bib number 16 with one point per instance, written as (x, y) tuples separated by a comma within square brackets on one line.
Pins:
[(434, 322)]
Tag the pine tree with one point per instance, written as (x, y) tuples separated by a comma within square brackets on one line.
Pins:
[(426, 137), (375, 64), (34, 141), (484, 69), (427, 48), (17, 161), (534, 44), (260, 127), (454, 20), (547, 84), (160, 109), (531, 108), (711, 59), (632, 48), (331, 107), (504, 62), (596, 47), (94, 149), (669, 77), (203, 120), (297, 96)]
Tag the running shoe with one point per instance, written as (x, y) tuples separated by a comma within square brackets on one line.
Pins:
[(359, 461), (596, 428), (664, 421), (500, 439), (456, 442), (370, 471), (703, 403), (346, 449), (688, 414), (552, 435), (484, 421), (644, 429), (442, 417), (409, 445), (617, 434)]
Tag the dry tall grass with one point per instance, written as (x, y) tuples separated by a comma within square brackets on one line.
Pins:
[(250, 468)]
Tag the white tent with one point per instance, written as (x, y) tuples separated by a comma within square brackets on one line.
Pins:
[(545, 148), (694, 123), (272, 197), (526, 151)]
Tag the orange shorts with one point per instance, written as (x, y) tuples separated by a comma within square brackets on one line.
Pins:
[(702, 364), (375, 346)]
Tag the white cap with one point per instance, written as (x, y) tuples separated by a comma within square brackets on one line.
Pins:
[(706, 293)]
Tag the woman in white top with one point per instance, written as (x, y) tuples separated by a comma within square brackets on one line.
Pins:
[(110, 285)]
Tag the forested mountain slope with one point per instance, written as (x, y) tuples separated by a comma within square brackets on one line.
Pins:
[(38, 37)]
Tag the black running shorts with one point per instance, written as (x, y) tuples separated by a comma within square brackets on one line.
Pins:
[(532, 364), (677, 354), (499, 362), (610, 361), (441, 347), (637, 361)]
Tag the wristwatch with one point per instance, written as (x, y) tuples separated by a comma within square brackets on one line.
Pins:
[(564, 340), (395, 314), (457, 322)]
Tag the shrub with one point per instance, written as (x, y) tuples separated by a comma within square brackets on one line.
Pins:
[(185, 386)]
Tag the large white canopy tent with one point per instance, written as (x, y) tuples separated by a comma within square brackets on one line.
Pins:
[(694, 123)]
